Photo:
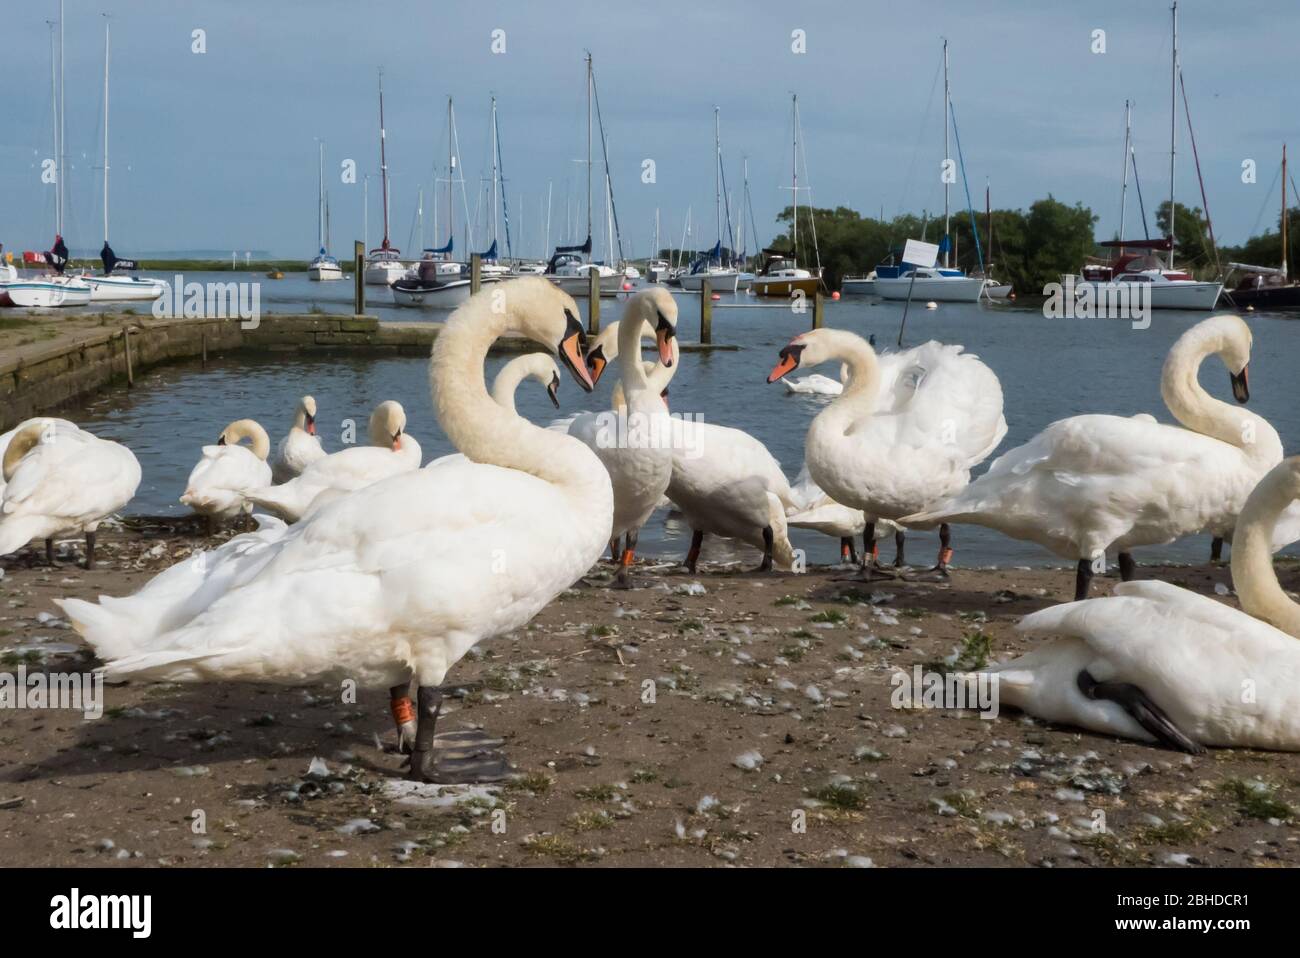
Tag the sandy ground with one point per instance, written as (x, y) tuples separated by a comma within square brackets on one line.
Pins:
[(765, 737)]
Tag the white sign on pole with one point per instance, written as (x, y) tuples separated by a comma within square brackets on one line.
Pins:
[(920, 254)]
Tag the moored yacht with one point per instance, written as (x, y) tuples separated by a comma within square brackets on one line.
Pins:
[(1130, 273)]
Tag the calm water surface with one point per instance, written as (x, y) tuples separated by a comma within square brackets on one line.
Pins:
[(1049, 369)]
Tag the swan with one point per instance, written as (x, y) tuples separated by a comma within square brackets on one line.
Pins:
[(58, 424), (536, 366), (905, 432), (1091, 483), (401, 578), (58, 481), (819, 512), (392, 450), (228, 471), (1158, 663), (633, 440), (724, 481), (300, 447), (816, 384)]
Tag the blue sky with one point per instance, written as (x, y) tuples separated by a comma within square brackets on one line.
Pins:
[(218, 150)]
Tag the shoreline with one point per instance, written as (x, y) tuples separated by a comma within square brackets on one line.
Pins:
[(789, 675)]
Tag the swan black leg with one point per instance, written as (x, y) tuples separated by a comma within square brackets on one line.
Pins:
[(1082, 579), (868, 543), (1127, 567), (768, 541), (900, 537), (1142, 710), (1216, 549), (464, 758), (90, 550), (613, 549), (693, 556), (423, 766), (945, 550), (848, 550), (49, 553), (622, 579)]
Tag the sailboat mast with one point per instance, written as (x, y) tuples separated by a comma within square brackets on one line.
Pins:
[(495, 184), (947, 105), (451, 177), (1173, 126), (383, 156), (63, 141), (794, 179), (320, 199), (1284, 216), (54, 110), (717, 171), (988, 215), (106, 129), (1123, 190), (588, 146)]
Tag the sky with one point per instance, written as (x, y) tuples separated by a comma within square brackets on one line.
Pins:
[(218, 150)]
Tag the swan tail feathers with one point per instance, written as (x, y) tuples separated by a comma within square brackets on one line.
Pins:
[(109, 634), (17, 531), (782, 551)]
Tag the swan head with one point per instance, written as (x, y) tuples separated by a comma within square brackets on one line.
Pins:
[(1226, 336), (248, 429), (306, 415), (387, 423), (543, 369), (807, 349), (547, 315)]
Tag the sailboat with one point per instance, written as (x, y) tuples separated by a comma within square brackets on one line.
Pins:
[(709, 266), (384, 264), (570, 267), (939, 283), (781, 274), (992, 288), (324, 266), (1262, 287), (1137, 265)]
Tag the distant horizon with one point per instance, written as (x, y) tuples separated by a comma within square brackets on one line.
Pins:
[(217, 150)]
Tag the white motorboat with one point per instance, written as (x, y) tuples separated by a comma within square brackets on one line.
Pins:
[(573, 276), (431, 295), (122, 289), (926, 283), (656, 271), (1141, 273), (48, 292), (528, 269)]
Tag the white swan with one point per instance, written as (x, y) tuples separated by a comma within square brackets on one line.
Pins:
[(905, 432), (227, 472), (539, 367), (59, 481), (1158, 663), (816, 384), (405, 575), (633, 440), (300, 447), (1092, 483), (392, 451)]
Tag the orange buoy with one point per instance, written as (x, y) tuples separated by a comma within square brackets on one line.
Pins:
[(715, 297), (626, 287), (835, 295)]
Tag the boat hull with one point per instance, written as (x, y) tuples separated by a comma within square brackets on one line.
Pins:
[(782, 286), (123, 289), (442, 296), (384, 274), (1172, 295), (723, 282), (1268, 297), (963, 289), (324, 273), (579, 286), (858, 287), (39, 295)]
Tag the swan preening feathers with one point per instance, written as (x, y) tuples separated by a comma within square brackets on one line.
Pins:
[(391, 573)]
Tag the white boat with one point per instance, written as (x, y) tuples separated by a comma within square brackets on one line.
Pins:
[(324, 268), (721, 280), (122, 289), (415, 292), (859, 285), (572, 275), (528, 269), (48, 292), (1169, 289), (938, 284), (656, 271), (783, 277)]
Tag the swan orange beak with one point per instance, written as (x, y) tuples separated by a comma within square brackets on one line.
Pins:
[(397, 441), (1241, 384), (571, 349), (788, 364), (596, 363), (664, 334)]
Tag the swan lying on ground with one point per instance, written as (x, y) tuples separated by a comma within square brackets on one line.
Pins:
[(1158, 663), (391, 451), (300, 447), (227, 472), (1088, 484), (905, 432), (403, 577), (60, 480)]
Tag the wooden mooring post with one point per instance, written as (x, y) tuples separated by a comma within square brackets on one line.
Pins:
[(593, 301), (819, 309), (706, 312), (475, 273), (126, 341), (359, 277)]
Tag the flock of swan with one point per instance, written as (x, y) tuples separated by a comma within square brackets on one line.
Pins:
[(365, 565)]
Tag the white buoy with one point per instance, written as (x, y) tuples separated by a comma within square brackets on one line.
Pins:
[(931, 305)]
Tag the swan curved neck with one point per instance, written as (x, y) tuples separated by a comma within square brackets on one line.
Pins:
[(1252, 552), (505, 384), (630, 369), (1197, 410), (482, 430), (859, 396), (250, 429)]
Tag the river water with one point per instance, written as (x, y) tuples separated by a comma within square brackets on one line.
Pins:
[(1049, 369)]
